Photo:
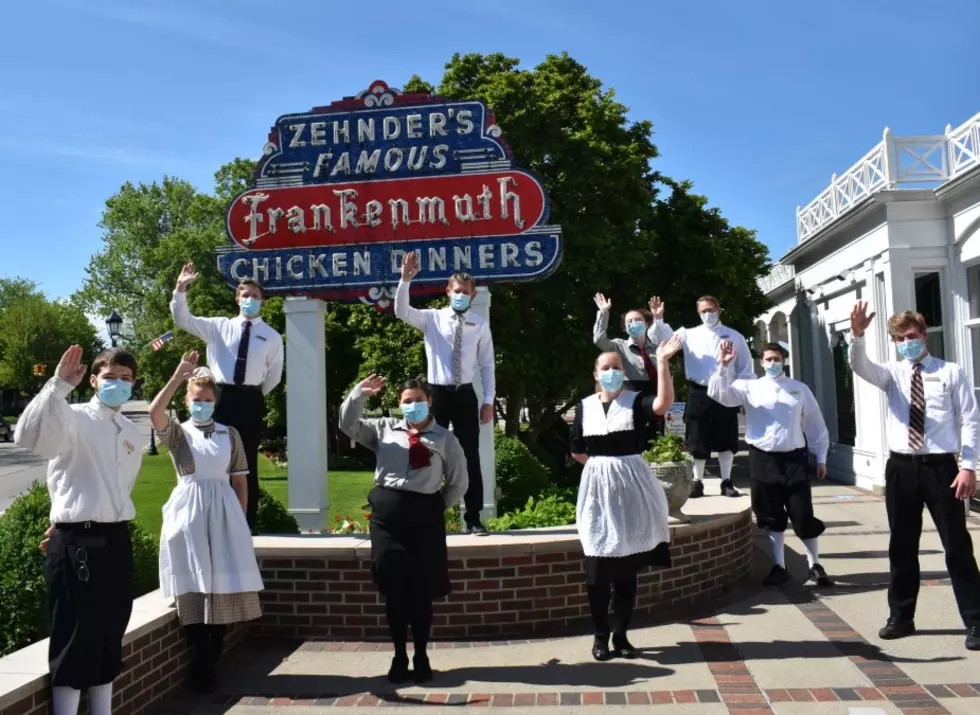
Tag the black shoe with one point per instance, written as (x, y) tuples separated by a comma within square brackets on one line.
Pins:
[(819, 576), (697, 489), (476, 529), (728, 489), (623, 648), (895, 629), (777, 576), (421, 668), (973, 638), (600, 648), (398, 672)]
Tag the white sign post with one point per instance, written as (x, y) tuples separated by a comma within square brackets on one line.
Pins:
[(481, 306)]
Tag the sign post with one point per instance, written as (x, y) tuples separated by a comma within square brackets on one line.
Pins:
[(341, 194)]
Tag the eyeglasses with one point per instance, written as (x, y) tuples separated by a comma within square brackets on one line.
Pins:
[(81, 555)]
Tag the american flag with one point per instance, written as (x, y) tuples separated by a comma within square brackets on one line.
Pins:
[(158, 343)]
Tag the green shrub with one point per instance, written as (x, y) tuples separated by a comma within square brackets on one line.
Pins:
[(552, 509), (668, 448), (520, 475), (23, 592), (272, 517)]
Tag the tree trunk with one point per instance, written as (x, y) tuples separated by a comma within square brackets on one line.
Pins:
[(512, 416)]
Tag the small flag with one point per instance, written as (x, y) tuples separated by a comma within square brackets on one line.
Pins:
[(158, 343)]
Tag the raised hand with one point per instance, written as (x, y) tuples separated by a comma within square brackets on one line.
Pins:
[(657, 307), (410, 266), (372, 385), (860, 320), (188, 274), (669, 348), (187, 366), (602, 303), (727, 353), (71, 369)]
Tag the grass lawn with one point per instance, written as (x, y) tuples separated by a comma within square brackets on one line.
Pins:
[(157, 478)]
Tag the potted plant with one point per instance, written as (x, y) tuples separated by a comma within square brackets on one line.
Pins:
[(675, 470)]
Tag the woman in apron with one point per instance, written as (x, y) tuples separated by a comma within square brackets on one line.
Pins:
[(421, 471), (621, 513), (206, 557)]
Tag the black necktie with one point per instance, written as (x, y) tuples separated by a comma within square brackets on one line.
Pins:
[(242, 358)]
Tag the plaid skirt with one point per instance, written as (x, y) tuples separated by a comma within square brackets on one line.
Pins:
[(218, 608)]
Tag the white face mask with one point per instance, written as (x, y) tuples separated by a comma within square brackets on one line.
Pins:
[(709, 318)]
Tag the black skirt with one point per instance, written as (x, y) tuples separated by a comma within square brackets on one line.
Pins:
[(709, 425), (408, 543), (608, 569), (89, 571)]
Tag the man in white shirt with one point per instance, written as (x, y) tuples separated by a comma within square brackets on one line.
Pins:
[(932, 419), (245, 355), (782, 420), (710, 426), (95, 456), (457, 344)]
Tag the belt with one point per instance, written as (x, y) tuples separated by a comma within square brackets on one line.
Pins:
[(453, 388), (227, 385), (92, 526), (922, 458)]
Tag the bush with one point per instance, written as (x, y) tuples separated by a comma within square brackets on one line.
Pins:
[(272, 516), (668, 448), (520, 475), (23, 592), (552, 509)]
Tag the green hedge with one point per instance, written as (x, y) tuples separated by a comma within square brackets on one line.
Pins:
[(520, 475), (272, 517)]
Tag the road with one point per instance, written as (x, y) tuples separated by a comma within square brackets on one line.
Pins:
[(20, 468)]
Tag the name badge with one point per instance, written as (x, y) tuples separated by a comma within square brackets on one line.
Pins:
[(261, 338), (931, 378), (129, 446), (726, 337), (221, 431), (795, 392), (470, 322)]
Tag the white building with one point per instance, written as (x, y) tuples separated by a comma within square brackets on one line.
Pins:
[(901, 230)]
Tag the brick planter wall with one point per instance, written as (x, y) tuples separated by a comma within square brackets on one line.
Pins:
[(506, 585)]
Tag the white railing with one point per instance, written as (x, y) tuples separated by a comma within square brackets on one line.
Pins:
[(780, 274), (892, 162)]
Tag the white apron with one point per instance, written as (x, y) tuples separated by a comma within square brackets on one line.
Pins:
[(205, 544), (622, 508)]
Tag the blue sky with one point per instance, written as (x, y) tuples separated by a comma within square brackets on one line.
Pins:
[(757, 102)]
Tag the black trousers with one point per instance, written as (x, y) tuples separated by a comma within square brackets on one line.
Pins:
[(460, 407), (912, 481), (709, 425), (89, 572), (243, 407), (624, 600), (781, 492)]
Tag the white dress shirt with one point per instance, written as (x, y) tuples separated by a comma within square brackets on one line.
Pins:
[(702, 351), (781, 414), (952, 419), (439, 327), (263, 367), (94, 454)]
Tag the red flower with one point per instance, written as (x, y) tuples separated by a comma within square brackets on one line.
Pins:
[(337, 518), (367, 516)]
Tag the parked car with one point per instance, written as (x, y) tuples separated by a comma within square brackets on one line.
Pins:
[(6, 431)]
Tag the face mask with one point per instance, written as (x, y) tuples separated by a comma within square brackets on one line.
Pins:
[(612, 380), (709, 318), (415, 412), (460, 302), (773, 369), (636, 328), (201, 411), (114, 393), (251, 307), (911, 349)]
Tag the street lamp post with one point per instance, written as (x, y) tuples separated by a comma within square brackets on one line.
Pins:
[(114, 324)]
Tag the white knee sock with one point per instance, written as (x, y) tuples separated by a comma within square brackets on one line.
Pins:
[(699, 469), (100, 699), (777, 539), (812, 551), (725, 461), (65, 700)]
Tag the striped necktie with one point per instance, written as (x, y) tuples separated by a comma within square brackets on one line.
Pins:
[(917, 410), (458, 351)]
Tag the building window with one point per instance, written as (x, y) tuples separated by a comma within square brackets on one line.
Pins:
[(973, 324), (844, 383), (929, 302)]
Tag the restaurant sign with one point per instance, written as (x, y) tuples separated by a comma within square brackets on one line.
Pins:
[(343, 192)]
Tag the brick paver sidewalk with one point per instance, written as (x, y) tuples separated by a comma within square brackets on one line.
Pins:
[(791, 651)]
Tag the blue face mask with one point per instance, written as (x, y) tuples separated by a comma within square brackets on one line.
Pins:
[(636, 328), (251, 307), (773, 369), (114, 393), (201, 411), (611, 380), (415, 412), (911, 349), (460, 302)]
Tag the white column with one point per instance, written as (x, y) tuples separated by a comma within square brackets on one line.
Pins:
[(481, 306), (306, 412)]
